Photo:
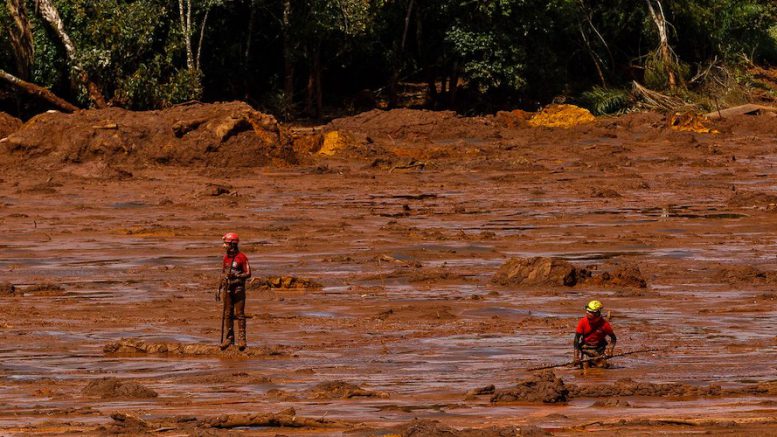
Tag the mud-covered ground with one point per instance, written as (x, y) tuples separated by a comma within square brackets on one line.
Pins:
[(377, 308)]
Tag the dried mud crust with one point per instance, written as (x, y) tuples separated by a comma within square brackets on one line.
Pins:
[(221, 134), (135, 346)]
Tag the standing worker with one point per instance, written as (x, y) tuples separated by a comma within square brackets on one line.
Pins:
[(234, 272), (591, 337)]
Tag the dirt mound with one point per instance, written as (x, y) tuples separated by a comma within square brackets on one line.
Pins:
[(411, 124), (8, 124), (753, 199), (621, 276), (761, 124), (134, 346), (536, 271), (220, 134), (628, 387), (114, 388), (543, 387), (342, 390), (542, 271)]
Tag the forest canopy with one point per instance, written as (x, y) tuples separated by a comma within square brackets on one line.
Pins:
[(296, 57)]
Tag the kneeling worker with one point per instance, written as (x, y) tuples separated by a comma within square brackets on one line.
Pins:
[(590, 337)]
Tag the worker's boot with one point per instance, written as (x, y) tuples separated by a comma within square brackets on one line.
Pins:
[(229, 337), (241, 334)]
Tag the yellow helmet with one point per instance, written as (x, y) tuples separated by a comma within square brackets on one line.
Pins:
[(594, 306)]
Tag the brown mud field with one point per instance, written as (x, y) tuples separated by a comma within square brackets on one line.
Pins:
[(410, 266)]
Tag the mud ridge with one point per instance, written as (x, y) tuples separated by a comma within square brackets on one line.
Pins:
[(136, 346), (114, 388)]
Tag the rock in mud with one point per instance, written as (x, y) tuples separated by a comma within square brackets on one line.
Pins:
[(536, 271), (220, 135), (114, 388), (8, 124), (543, 387), (342, 390)]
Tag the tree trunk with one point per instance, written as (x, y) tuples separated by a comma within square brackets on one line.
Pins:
[(319, 91), (38, 91), (185, 15), (202, 38), (50, 14), (21, 38), (288, 61), (393, 85), (665, 50)]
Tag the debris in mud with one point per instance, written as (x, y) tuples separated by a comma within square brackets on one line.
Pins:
[(124, 423), (218, 190), (114, 388), (744, 273), (134, 346), (342, 390), (628, 387), (287, 418), (434, 428), (563, 116), (334, 141), (543, 387), (513, 119), (221, 134), (753, 199), (611, 403), (475, 392), (43, 288), (689, 122), (542, 271), (536, 271), (8, 125), (288, 282), (7, 289), (605, 193), (747, 109), (417, 313)]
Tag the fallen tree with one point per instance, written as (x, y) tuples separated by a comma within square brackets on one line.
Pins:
[(38, 91)]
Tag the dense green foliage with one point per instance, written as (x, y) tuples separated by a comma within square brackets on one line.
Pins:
[(470, 55)]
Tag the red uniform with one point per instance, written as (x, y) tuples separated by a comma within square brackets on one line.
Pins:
[(594, 331), (238, 264)]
